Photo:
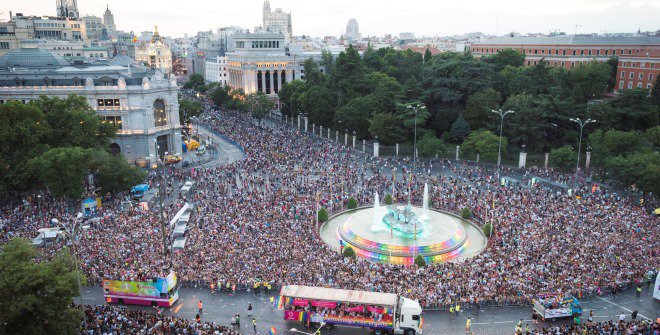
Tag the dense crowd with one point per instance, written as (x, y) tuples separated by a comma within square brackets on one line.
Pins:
[(254, 222), (640, 327), (103, 320)]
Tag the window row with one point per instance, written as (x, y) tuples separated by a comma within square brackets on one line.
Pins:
[(640, 75), (567, 52), (108, 102), (630, 85), (116, 120), (265, 44)]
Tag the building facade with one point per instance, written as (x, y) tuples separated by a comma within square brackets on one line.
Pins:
[(262, 63), (141, 102), (638, 72), (93, 27), (638, 56), (216, 70), (67, 8), (155, 53), (352, 31), (276, 21), (109, 22)]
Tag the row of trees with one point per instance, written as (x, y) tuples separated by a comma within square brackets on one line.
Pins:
[(55, 143), (369, 94), (222, 96)]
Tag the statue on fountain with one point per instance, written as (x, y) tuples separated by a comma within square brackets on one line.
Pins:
[(403, 219)]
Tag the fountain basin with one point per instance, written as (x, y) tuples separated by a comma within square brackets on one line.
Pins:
[(444, 238)]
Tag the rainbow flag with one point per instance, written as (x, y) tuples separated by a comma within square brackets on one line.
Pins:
[(302, 316), (281, 301), (272, 331), (421, 322)]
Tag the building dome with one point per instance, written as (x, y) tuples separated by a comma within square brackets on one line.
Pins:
[(32, 57)]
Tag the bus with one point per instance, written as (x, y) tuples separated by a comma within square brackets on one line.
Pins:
[(160, 291), (383, 313)]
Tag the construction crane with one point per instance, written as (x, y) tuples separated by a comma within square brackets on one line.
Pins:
[(576, 26)]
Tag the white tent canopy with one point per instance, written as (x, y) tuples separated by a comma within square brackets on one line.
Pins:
[(331, 294)]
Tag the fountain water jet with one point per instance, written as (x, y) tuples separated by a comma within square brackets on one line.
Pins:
[(425, 200)]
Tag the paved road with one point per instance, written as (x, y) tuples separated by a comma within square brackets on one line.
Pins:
[(220, 307)]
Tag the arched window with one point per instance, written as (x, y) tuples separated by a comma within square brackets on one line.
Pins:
[(160, 116)]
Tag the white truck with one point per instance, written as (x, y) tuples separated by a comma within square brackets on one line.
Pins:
[(383, 313)]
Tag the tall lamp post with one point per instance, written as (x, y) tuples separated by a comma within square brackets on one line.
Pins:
[(416, 108), (71, 235), (499, 147), (577, 164)]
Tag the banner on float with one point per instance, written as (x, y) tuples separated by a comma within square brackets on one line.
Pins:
[(351, 321), (295, 315)]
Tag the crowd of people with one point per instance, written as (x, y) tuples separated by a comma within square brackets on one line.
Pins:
[(254, 222), (106, 320)]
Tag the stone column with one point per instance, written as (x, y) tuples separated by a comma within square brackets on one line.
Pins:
[(298, 121), (587, 161), (263, 81), (522, 160), (337, 136), (328, 133), (547, 157), (313, 128), (345, 139), (353, 141), (397, 149), (321, 132), (376, 145), (364, 145), (306, 122), (272, 84), (458, 147)]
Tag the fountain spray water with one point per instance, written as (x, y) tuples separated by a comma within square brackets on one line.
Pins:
[(425, 201), (376, 224)]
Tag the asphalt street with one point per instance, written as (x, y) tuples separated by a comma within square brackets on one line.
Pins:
[(219, 307)]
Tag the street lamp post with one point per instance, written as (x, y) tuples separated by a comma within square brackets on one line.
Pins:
[(294, 330), (71, 234), (577, 164), (416, 108), (499, 147)]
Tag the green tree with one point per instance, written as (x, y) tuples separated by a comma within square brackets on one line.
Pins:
[(259, 105), (23, 132), (653, 136), (429, 146), (113, 174), (641, 169), (352, 203), (313, 74), (388, 199), (506, 57), (478, 109), (220, 95), (564, 158), (612, 143), (323, 215), (484, 143), (290, 97), (466, 213), (460, 129), (636, 110), (73, 123), (427, 55), (420, 261), (63, 170), (387, 127), (35, 296), (238, 100), (317, 102), (528, 124), (188, 109), (589, 80), (355, 115), (487, 229), (450, 82), (613, 64), (349, 253), (195, 82)]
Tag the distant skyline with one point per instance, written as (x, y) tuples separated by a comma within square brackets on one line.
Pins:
[(376, 18)]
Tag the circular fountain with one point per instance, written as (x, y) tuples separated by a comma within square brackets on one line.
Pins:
[(398, 233)]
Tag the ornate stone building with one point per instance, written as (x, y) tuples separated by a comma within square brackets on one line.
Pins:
[(276, 21), (141, 102), (156, 54), (262, 62)]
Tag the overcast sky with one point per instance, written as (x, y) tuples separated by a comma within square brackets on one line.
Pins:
[(329, 17)]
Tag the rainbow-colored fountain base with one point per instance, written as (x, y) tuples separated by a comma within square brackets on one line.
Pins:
[(443, 239)]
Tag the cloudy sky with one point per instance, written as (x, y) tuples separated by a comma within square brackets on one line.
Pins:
[(329, 17)]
